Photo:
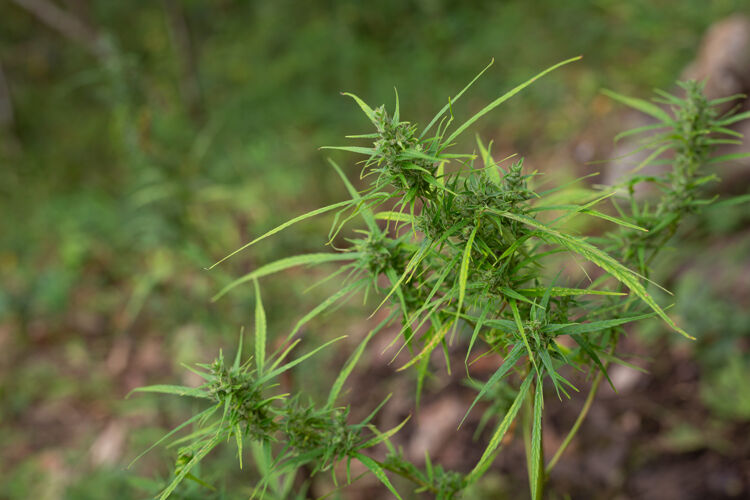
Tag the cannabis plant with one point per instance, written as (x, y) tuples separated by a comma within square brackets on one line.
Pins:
[(461, 249)]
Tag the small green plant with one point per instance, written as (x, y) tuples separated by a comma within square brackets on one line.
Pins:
[(466, 252)]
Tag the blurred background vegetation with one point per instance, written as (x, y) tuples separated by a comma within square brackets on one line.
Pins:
[(142, 141)]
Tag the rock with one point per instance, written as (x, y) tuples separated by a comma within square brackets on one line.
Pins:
[(724, 59)]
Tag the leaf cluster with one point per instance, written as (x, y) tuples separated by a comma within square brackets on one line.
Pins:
[(463, 249)]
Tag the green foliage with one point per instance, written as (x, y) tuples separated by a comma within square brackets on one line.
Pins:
[(689, 135), (119, 183), (465, 254)]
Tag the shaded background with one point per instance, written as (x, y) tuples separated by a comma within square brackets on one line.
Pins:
[(140, 142)]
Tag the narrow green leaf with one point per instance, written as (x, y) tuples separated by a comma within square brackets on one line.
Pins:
[(177, 390), (397, 109), (286, 263), (411, 154), (260, 330), (504, 98), (410, 267), (589, 349), (200, 481), (509, 362), (204, 414), (513, 294), (490, 167), (202, 452), (238, 356), (557, 291), (611, 218), (541, 313), (393, 279), (352, 149), (464, 272), (428, 464), (365, 211), (519, 325), (728, 131), (285, 225), (453, 100), (489, 453), (735, 200), (238, 438), (553, 375), (638, 130), (501, 324), (640, 105), (393, 216), (270, 375), (440, 173), (612, 359), (434, 341), (374, 412), (596, 326), (729, 157), (383, 436), (422, 371), (201, 432), (655, 154), (729, 98), (338, 384), (362, 136), (326, 304), (734, 119), (377, 472), (536, 442), (362, 104), (626, 276), (477, 328), (668, 98)]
